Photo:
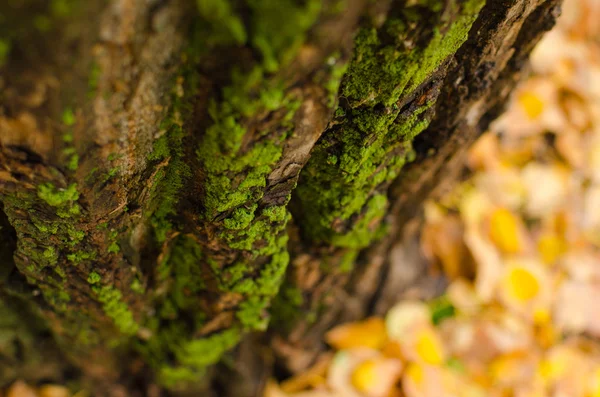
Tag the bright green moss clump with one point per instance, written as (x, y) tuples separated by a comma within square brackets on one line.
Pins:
[(116, 308), (58, 197), (194, 356), (341, 194)]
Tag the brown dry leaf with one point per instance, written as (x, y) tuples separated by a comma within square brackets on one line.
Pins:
[(369, 333), (20, 389), (443, 241)]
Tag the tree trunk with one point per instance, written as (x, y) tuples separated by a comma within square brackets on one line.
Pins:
[(162, 162)]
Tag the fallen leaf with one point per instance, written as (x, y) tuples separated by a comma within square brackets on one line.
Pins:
[(53, 391), (20, 389), (369, 333), (443, 241)]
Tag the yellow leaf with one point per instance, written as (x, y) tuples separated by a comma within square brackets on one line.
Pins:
[(364, 375), (594, 385), (546, 335), (541, 317), (531, 104), (429, 347), (369, 333), (550, 247), (521, 284), (415, 373), (504, 231)]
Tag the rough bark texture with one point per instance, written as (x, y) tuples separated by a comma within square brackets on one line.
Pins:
[(162, 162)]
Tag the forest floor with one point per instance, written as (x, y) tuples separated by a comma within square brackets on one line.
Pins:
[(519, 242)]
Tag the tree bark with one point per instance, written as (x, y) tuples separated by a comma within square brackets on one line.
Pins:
[(162, 162)]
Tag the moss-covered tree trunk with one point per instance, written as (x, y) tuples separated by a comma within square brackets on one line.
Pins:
[(193, 192)]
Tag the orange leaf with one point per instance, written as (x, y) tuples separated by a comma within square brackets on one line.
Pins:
[(369, 333), (53, 391)]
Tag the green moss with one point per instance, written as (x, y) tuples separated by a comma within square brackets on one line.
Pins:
[(58, 197), (93, 79), (73, 162), (219, 151), (51, 255), (279, 28), (68, 117), (226, 26), (81, 256), (370, 140), (240, 218), (200, 353), (276, 213), (183, 266), (332, 85), (194, 356), (252, 313), (287, 308), (174, 377), (116, 309), (348, 259), (382, 73), (362, 233), (251, 239), (56, 298), (113, 246), (63, 199), (136, 286), (167, 187), (94, 278)]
